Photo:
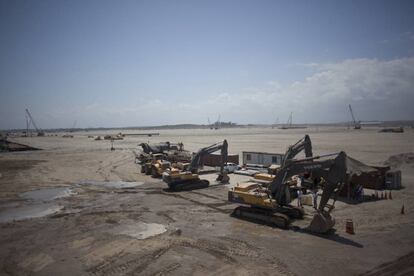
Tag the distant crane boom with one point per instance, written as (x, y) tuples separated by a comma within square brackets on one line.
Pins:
[(289, 122), (39, 131), (357, 125), (217, 124), (352, 114), (32, 120)]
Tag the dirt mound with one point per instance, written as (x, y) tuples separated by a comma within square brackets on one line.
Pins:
[(400, 159)]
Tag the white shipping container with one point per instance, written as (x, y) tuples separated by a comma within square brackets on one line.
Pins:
[(262, 158)]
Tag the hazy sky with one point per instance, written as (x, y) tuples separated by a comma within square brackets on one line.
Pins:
[(136, 63)]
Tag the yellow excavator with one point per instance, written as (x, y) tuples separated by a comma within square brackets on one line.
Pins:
[(157, 158), (159, 166), (188, 178), (270, 203), (304, 144)]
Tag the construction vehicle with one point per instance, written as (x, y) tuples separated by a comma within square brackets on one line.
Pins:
[(270, 203), (357, 124), (393, 129), (173, 152), (180, 155), (157, 158), (160, 147), (188, 178), (159, 166), (150, 159), (30, 121), (303, 144), (289, 124)]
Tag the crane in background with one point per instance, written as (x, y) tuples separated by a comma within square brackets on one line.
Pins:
[(289, 124), (30, 121), (73, 127), (357, 124), (217, 124), (210, 125)]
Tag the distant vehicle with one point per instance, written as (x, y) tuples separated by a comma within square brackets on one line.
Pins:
[(395, 130), (230, 167)]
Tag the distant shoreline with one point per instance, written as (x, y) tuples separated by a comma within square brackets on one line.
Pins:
[(404, 123)]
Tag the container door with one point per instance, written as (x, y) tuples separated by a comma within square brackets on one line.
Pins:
[(260, 159)]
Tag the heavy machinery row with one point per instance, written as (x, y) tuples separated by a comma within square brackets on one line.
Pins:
[(266, 202)]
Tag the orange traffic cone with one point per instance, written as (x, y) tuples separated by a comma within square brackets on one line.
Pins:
[(386, 196), (349, 227), (402, 210), (390, 196)]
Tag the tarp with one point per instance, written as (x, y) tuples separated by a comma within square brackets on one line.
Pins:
[(355, 167), (369, 177)]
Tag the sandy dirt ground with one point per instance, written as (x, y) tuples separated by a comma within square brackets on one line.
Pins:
[(98, 215)]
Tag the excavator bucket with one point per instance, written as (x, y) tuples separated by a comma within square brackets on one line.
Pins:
[(223, 178), (322, 222)]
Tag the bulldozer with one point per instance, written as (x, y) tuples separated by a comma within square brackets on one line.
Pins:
[(270, 203), (188, 178)]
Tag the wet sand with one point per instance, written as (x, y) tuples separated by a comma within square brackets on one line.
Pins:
[(116, 221)]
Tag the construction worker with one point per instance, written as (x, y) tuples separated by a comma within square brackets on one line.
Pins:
[(359, 193), (299, 189), (315, 188)]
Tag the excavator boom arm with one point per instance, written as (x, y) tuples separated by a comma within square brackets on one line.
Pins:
[(303, 144), (333, 171), (32, 120), (196, 160)]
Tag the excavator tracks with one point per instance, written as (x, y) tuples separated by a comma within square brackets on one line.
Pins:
[(189, 185), (292, 211), (262, 215)]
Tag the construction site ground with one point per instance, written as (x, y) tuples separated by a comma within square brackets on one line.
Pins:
[(77, 208)]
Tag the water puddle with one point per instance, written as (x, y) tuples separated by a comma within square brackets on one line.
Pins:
[(112, 184), (47, 194), (38, 204), (29, 211), (139, 230)]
